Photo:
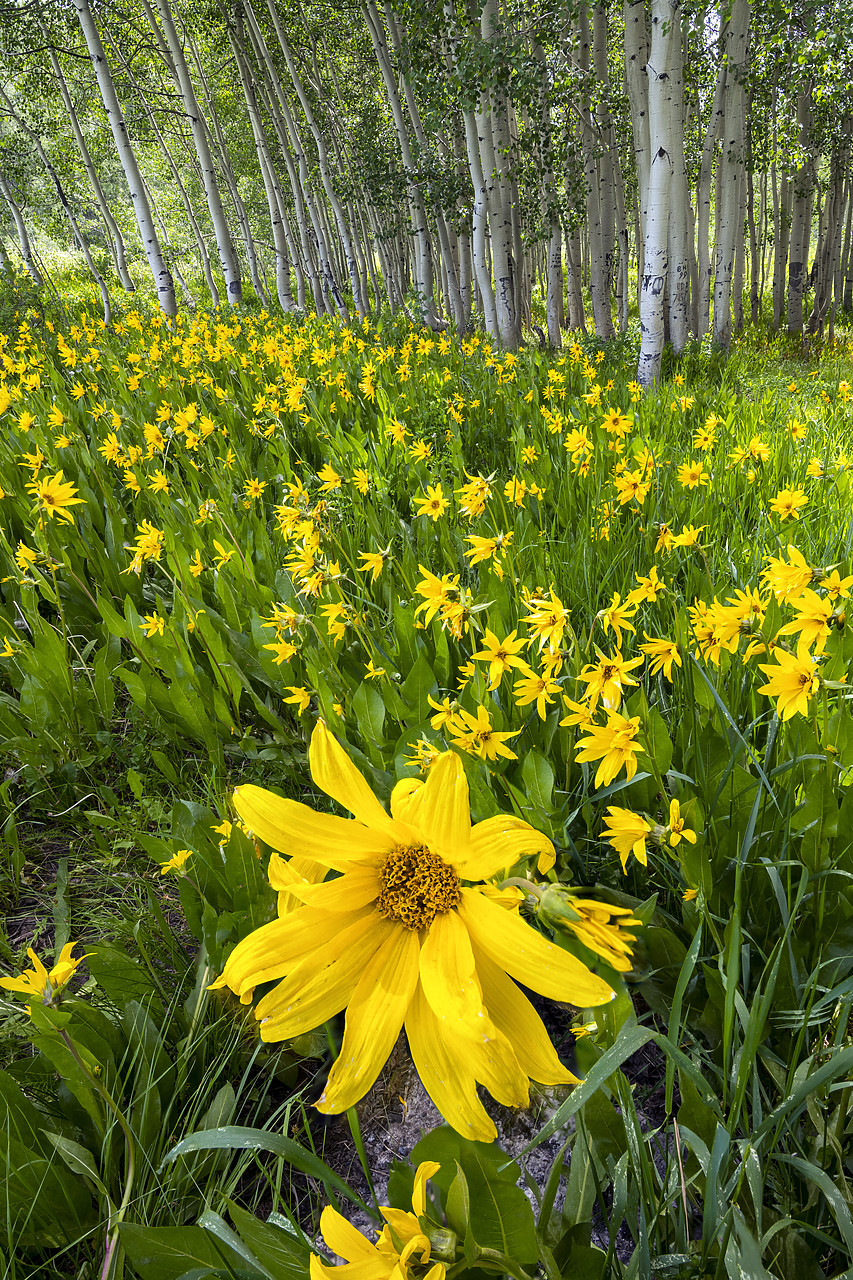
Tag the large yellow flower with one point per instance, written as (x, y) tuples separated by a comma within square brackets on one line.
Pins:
[(407, 933)]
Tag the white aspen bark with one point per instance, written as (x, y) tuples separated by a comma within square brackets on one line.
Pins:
[(217, 140), (829, 246), (550, 210), (636, 80), (322, 158), (21, 229), (201, 246), (665, 49), (846, 294), (494, 141), (732, 168), (479, 213), (740, 256), (151, 244), (455, 308), (282, 263), (322, 280), (424, 276), (596, 217), (79, 238), (115, 236), (623, 240), (606, 164), (678, 280), (178, 65), (703, 202), (802, 185)]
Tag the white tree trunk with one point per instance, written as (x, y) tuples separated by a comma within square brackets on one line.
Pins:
[(732, 164), (178, 65), (159, 269), (663, 64), (21, 228)]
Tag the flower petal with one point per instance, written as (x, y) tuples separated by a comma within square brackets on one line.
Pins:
[(269, 952), (343, 1238), (404, 799), (348, 892), (425, 1170), (450, 983), (444, 809), (525, 955), (369, 1269), (499, 842), (321, 984), (515, 1016), (375, 1015), (447, 1080), (332, 769), (294, 828)]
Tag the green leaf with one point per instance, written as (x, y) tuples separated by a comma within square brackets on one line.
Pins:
[(167, 1253), (501, 1216), (538, 778), (282, 1252), (239, 1138), (369, 711)]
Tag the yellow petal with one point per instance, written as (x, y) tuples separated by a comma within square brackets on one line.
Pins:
[(404, 799), (323, 983), (269, 952), (513, 1013), (348, 892), (449, 979), (525, 955), (444, 809), (284, 872), (343, 1238), (368, 1269), (452, 1088), (375, 1015), (294, 828), (332, 769), (425, 1170), (499, 842)]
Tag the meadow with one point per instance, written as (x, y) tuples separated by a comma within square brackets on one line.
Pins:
[(617, 618)]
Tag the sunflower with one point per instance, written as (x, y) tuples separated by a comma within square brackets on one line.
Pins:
[(410, 933)]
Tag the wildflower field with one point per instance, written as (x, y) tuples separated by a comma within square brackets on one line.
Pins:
[(575, 657)]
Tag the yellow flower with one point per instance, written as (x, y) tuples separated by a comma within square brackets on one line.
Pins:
[(283, 651), (331, 479), (535, 688), (834, 585), (373, 673), (361, 480), (598, 925), (159, 482), (401, 938), (813, 621), (176, 862), (501, 655), (373, 562), (299, 697), (547, 618), (606, 679), (40, 984), (434, 504), (663, 654), (476, 735), (627, 833), (617, 615), (676, 831), (614, 745), (648, 588), (54, 496), (788, 502), (402, 1251), (788, 579), (793, 680), (153, 625)]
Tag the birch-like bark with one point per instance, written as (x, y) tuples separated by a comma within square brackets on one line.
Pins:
[(23, 235), (151, 243), (678, 281), (115, 236), (802, 192), (322, 159), (636, 80), (282, 262), (178, 66), (664, 57), (732, 168), (703, 201), (76, 232), (598, 220)]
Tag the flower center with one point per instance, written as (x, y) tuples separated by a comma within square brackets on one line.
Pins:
[(417, 886)]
